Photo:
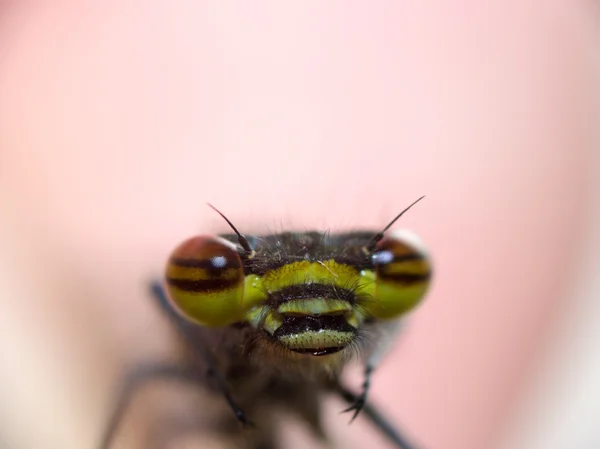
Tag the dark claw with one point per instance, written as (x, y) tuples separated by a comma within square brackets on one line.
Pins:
[(357, 407), (359, 401)]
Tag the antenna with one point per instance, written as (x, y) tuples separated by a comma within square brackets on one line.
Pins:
[(243, 241), (377, 237)]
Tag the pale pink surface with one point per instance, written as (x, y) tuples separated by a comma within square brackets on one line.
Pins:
[(119, 120)]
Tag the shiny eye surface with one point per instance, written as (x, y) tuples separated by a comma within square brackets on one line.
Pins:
[(205, 281), (402, 275)]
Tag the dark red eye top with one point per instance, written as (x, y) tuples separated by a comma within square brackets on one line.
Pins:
[(397, 262), (208, 253)]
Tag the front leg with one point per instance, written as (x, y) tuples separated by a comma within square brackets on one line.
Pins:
[(387, 333), (361, 399)]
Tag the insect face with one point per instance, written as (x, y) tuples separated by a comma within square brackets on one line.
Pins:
[(308, 293)]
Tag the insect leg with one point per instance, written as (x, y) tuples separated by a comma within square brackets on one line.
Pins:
[(189, 332), (361, 399), (377, 419), (387, 333), (135, 380)]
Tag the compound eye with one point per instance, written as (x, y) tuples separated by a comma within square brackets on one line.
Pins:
[(402, 274), (205, 281)]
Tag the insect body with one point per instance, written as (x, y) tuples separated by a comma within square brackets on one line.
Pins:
[(270, 322)]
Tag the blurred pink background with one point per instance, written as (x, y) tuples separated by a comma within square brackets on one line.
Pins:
[(119, 120)]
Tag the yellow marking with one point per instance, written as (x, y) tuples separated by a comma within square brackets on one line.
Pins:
[(323, 264), (255, 315), (262, 315), (354, 319), (317, 339), (315, 306), (272, 322), (306, 272), (254, 292)]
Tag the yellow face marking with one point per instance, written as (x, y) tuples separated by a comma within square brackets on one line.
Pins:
[(315, 306), (354, 319), (317, 339), (254, 292), (272, 322), (306, 272), (255, 315)]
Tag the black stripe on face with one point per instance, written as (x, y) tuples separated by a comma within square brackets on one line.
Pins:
[(297, 326), (203, 286), (309, 291), (404, 278), (318, 351), (260, 265), (294, 324)]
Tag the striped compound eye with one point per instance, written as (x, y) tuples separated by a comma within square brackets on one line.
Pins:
[(205, 281), (402, 274)]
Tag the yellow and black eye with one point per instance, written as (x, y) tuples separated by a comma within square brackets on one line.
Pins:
[(205, 281), (402, 275)]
